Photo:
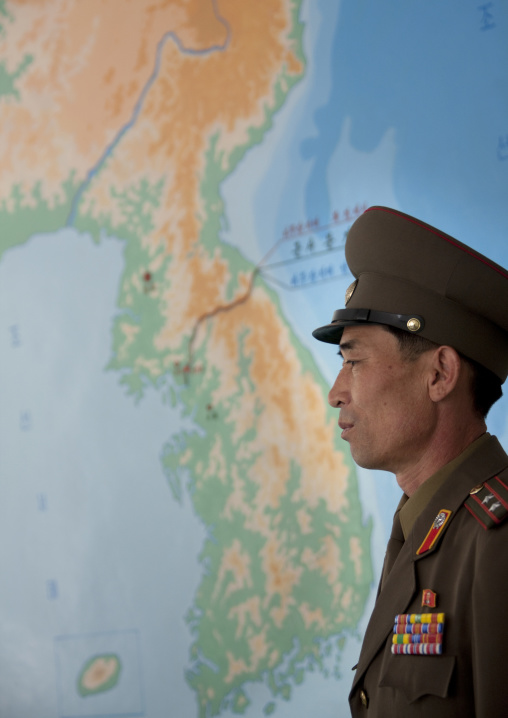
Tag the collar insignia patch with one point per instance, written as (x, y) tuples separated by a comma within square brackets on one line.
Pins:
[(437, 526)]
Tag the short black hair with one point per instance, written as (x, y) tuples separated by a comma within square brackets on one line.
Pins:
[(486, 387)]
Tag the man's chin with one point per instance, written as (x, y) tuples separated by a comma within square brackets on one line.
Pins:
[(364, 458)]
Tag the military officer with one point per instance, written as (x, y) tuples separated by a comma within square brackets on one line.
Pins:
[(424, 341)]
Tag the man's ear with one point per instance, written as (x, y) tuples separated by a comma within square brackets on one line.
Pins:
[(445, 367)]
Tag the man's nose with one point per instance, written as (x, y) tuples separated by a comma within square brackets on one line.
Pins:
[(339, 393)]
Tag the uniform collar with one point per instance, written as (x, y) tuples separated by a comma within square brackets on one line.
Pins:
[(411, 508)]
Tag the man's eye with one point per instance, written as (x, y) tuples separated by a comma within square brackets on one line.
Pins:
[(350, 362)]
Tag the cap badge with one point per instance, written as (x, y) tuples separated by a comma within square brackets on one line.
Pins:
[(413, 324), (350, 290)]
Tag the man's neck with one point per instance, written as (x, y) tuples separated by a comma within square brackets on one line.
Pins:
[(446, 447)]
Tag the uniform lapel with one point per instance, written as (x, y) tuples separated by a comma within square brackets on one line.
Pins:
[(398, 589)]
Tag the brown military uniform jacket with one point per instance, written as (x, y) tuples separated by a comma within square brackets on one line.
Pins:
[(467, 568)]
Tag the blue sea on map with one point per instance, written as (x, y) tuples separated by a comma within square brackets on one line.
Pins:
[(108, 550)]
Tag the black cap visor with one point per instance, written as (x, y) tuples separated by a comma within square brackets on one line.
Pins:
[(342, 318)]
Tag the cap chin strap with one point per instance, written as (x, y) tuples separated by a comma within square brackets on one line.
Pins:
[(412, 323)]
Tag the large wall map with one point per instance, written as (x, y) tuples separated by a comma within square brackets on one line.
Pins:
[(183, 531)]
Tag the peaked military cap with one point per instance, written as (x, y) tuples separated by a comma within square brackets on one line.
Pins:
[(413, 276)]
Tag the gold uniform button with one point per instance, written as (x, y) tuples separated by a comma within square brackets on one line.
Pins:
[(414, 324), (364, 698), (476, 489)]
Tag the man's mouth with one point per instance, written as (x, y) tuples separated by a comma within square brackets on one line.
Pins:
[(346, 427)]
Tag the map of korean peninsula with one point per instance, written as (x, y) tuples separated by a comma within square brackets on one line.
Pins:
[(180, 96)]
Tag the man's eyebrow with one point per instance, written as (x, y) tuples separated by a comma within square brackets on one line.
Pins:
[(347, 346)]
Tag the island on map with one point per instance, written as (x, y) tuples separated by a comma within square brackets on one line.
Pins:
[(99, 674)]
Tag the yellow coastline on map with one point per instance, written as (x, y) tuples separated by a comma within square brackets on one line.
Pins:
[(123, 117)]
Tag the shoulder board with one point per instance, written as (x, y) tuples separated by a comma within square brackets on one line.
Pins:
[(488, 502)]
